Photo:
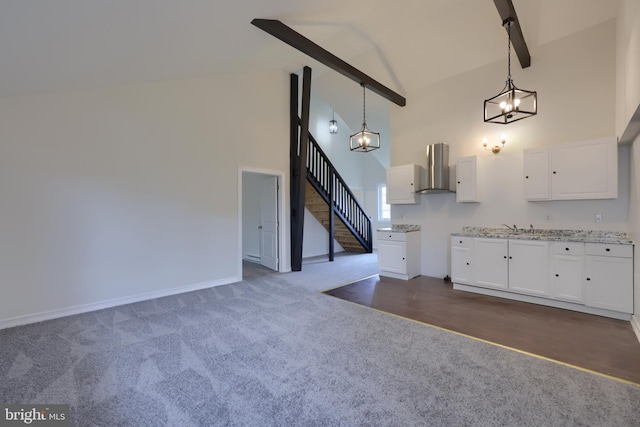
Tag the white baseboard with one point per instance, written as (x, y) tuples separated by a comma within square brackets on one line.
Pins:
[(635, 324), (69, 311), (252, 258)]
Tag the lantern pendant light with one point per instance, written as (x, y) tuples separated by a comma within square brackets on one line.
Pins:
[(511, 104), (333, 125), (364, 140)]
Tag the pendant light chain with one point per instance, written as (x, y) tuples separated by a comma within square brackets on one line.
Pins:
[(364, 116), (509, 50)]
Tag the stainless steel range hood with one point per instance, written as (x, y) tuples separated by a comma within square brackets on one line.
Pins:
[(437, 173)]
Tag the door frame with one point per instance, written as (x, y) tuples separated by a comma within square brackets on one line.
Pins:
[(284, 252)]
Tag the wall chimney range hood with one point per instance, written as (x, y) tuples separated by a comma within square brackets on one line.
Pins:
[(437, 172)]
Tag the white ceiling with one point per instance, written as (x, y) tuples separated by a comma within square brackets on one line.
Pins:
[(61, 45)]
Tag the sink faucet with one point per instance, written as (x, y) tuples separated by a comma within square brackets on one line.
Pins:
[(513, 229)]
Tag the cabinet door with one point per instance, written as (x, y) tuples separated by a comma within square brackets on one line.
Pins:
[(609, 283), (402, 184), (466, 177), (529, 267), (392, 256), (490, 263), (566, 278), (536, 174), (585, 170), (461, 265)]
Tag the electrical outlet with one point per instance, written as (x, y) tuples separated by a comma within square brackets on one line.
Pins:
[(598, 217)]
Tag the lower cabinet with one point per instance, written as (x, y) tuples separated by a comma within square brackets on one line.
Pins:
[(567, 266), (595, 278), (514, 265), (608, 271), (491, 263), (399, 254), (462, 260), (529, 267)]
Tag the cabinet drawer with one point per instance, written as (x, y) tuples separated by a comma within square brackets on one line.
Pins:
[(461, 241), (567, 248), (392, 235), (602, 249)]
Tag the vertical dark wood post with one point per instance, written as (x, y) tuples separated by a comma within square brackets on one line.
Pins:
[(299, 166), (293, 163)]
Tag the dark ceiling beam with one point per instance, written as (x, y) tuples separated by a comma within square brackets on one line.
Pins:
[(293, 38), (506, 10)]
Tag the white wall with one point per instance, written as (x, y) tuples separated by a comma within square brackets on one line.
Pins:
[(575, 80), (114, 193), (627, 102), (628, 62)]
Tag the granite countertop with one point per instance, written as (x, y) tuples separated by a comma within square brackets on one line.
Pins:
[(401, 228), (586, 236)]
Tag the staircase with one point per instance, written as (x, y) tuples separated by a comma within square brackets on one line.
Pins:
[(326, 193), (319, 208)]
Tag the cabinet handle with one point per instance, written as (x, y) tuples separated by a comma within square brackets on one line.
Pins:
[(527, 177), (467, 263), (588, 278), (607, 249), (510, 258), (458, 182), (566, 249), (557, 275), (460, 241), (389, 235), (505, 257), (554, 172)]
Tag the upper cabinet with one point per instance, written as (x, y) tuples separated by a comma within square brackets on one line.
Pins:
[(574, 171), (466, 180), (402, 184), (536, 174)]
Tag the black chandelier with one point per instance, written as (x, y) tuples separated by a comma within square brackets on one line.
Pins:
[(364, 140), (511, 104)]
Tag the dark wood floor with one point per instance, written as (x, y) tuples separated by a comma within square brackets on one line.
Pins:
[(596, 343)]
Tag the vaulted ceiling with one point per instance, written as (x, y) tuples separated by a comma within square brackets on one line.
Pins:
[(61, 45)]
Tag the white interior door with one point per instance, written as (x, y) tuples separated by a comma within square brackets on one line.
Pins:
[(269, 222)]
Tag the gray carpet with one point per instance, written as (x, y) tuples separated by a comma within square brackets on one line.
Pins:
[(272, 351)]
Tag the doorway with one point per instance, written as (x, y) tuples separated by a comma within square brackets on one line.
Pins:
[(261, 224)]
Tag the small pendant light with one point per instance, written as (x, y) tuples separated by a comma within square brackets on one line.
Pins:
[(333, 125), (511, 104), (364, 140)]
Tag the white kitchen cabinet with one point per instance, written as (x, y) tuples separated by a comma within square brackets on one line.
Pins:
[(491, 263), (466, 180), (536, 174), (399, 254), (584, 170), (402, 183), (593, 278), (529, 267), (462, 260), (609, 277), (567, 271), (574, 171)]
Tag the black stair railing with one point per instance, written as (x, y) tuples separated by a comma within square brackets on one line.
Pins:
[(329, 184)]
